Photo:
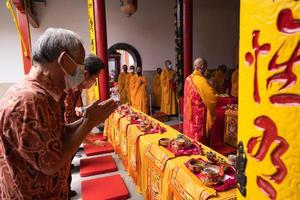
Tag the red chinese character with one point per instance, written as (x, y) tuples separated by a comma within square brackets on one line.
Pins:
[(258, 49), (288, 25), (270, 135), (286, 77), (286, 22)]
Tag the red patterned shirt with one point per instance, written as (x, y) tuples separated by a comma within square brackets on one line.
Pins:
[(72, 99), (31, 122)]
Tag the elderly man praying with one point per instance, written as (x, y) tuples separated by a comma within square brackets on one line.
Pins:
[(36, 146)]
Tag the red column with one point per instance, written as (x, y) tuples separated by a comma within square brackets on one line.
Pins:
[(24, 32), (101, 44), (26, 53), (187, 37)]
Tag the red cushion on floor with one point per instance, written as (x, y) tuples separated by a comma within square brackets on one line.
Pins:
[(95, 137), (91, 150), (97, 165), (108, 188)]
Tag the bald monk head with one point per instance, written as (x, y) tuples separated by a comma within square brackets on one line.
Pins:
[(200, 64), (158, 70), (222, 68), (139, 71), (132, 69), (125, 68), (168, 64)]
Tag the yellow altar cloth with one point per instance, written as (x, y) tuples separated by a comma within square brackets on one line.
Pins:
[(157, 173), (180, 183)]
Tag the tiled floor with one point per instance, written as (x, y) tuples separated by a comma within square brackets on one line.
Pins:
[(76, 179)]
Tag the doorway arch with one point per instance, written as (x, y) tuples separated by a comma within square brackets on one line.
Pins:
[(130, 49)]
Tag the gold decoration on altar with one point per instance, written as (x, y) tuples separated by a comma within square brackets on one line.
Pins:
[(230, 135)]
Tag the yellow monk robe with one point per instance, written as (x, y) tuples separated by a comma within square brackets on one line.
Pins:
[(122, 87), (156, 90), (235, 83), (207, 94), (168, 98), (218, 79), (128, 87), (139, 97)]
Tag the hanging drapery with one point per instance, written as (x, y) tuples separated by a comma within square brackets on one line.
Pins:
[(179, 46)]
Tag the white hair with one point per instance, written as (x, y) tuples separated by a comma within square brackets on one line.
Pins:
[(53, 42)]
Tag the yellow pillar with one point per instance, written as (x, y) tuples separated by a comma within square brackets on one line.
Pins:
[(269, 99)]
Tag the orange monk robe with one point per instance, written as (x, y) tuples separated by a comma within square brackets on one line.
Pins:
[(208, 96), (122, 87), (218, 79), (139, 97), (128, 87), (235, 83), (156, 90), (168, 97)]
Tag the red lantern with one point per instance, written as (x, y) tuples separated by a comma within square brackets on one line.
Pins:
[(128, 7)]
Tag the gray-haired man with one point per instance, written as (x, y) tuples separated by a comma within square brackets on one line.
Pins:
[(35, 145)]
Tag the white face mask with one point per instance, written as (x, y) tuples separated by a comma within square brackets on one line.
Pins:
[(72, 81), (76, 79)]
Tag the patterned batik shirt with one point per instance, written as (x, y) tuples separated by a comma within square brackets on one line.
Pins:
[(72, 99), (31, 122)]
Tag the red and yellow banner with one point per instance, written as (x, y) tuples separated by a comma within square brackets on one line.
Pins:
[(21, 21), (92, 94), (269, 100)]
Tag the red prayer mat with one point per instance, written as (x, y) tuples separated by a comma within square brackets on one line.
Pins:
[(91, 150), (106, 188), (95, 137), (97, 165)]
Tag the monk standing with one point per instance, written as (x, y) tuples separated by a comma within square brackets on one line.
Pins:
[(235, 82), (157, 88), (122, 84), (168, 97), (139, 98), (128, 86), (199, 103), (218, 79)]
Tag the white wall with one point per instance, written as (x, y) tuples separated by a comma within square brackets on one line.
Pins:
[(216, 30), (150, 30), (68, 14), (11, 68), (149, 33)]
